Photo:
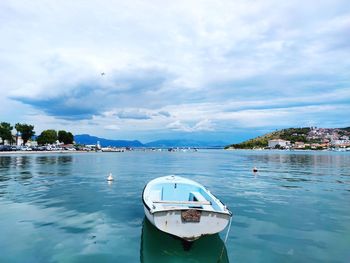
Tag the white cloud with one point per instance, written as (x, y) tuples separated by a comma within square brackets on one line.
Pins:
[(112, 127), (179, 126), (135, 114), (203, 125)]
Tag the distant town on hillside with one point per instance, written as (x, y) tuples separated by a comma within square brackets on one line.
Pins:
[(313, 138)]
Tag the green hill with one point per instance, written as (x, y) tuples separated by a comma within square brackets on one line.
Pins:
[(291, 134)]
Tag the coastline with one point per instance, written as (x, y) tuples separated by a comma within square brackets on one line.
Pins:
[(290, 150), (4, 153), (38, 152)]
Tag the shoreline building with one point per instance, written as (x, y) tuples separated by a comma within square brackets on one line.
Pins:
[(19, 140), (282, 143)]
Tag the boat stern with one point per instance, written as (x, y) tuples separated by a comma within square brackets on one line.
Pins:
[(190, 224)]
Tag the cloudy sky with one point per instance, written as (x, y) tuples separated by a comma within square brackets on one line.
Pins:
[(147, 70)]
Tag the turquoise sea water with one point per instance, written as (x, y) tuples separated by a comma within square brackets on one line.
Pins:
[(60, 208)]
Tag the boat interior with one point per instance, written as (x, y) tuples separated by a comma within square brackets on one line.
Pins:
[(184, 196)]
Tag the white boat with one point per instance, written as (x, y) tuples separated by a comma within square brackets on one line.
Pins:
[(183, 208)]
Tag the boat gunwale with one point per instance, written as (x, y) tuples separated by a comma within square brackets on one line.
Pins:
[(226, 211), (143, 199)]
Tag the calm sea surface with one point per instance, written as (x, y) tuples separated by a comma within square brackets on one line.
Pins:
[(60, 208)]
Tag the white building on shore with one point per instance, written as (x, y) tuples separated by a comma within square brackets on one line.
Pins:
[(282, 143), (19, 140)]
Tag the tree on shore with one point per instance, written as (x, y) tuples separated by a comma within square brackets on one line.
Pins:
[(5, 132), (47, 136), (65, 137), (27, 131)]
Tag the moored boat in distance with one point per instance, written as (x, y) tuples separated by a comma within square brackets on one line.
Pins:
[(183, 208)]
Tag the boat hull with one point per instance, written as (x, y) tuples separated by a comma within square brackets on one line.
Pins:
[(172, 222)]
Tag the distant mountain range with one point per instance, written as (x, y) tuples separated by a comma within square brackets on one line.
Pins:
[(88, 139), (184, 143)]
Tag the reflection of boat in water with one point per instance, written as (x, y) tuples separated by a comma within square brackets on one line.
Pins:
[(159, 247), (183, 208)]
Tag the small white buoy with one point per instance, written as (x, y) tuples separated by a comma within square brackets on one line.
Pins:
[(110, 177)]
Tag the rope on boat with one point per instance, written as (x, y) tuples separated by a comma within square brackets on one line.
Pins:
[(228, 231), (226, 237)]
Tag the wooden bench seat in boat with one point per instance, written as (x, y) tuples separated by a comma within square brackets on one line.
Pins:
[(195, 200)]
